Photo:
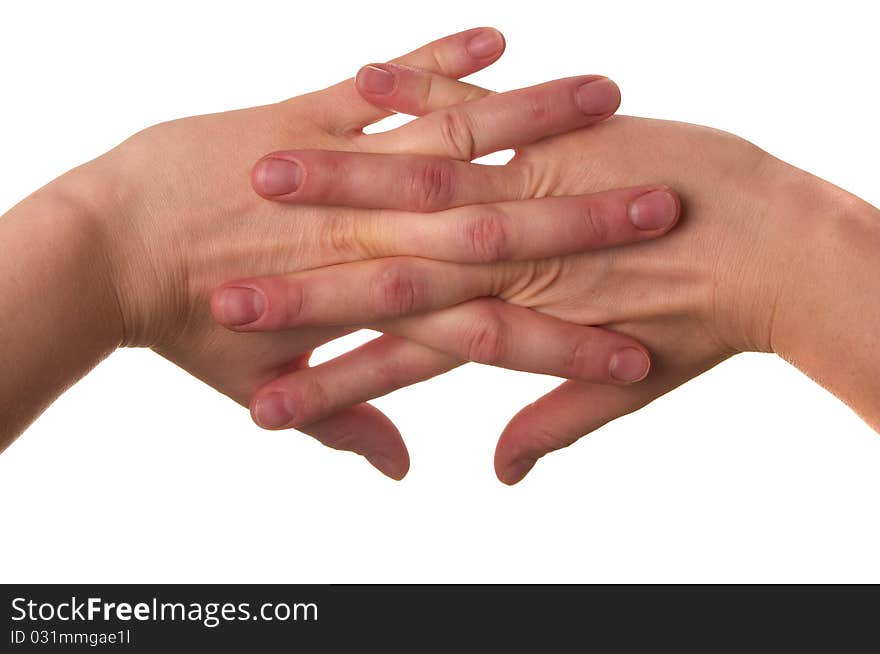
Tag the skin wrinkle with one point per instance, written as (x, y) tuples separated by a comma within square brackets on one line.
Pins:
[(370, 237), (339, 237), (425, 92), (538, 180), (531, 179), (457, 133), (487, 233)]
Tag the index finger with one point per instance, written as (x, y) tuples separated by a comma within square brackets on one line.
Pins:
[(504, 120)]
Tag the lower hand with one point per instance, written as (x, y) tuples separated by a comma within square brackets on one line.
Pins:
[(729, 279), (172, 216)]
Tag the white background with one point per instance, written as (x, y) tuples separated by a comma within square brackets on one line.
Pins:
[(140, 473)]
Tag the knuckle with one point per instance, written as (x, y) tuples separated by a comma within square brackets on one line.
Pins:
[(441, 65), (423, 89), (487, 235), (578, 357), (595, 229), (457, 134), (485, 341), (430, 185), (539, 109), (294, 304), (311, 399), (393, 289)]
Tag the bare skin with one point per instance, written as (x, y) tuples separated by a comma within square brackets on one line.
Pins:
[(767, 258), (127, 249)]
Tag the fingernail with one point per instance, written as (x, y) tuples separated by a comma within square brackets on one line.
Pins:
[(375, 80), (629, 365), (598, 97), (240, 305), (273, 411), (654, 210), (485, 44), (517, 470), (277, 176)]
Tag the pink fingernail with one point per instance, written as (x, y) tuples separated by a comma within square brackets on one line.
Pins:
[(629, 365), (375, 80), (485, 44), (240, 305), (274, 176), (654, 210), (599, 96), (273, 411)]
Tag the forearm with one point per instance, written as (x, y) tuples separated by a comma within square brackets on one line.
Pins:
[(59, 317), (832, 329)]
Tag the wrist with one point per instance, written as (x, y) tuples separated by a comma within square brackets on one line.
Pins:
[(766, 253), (112, 212), (835, 276), (67, 221)]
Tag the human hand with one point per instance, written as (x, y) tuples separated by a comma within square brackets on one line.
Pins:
[(175, 216), (724, 282)]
